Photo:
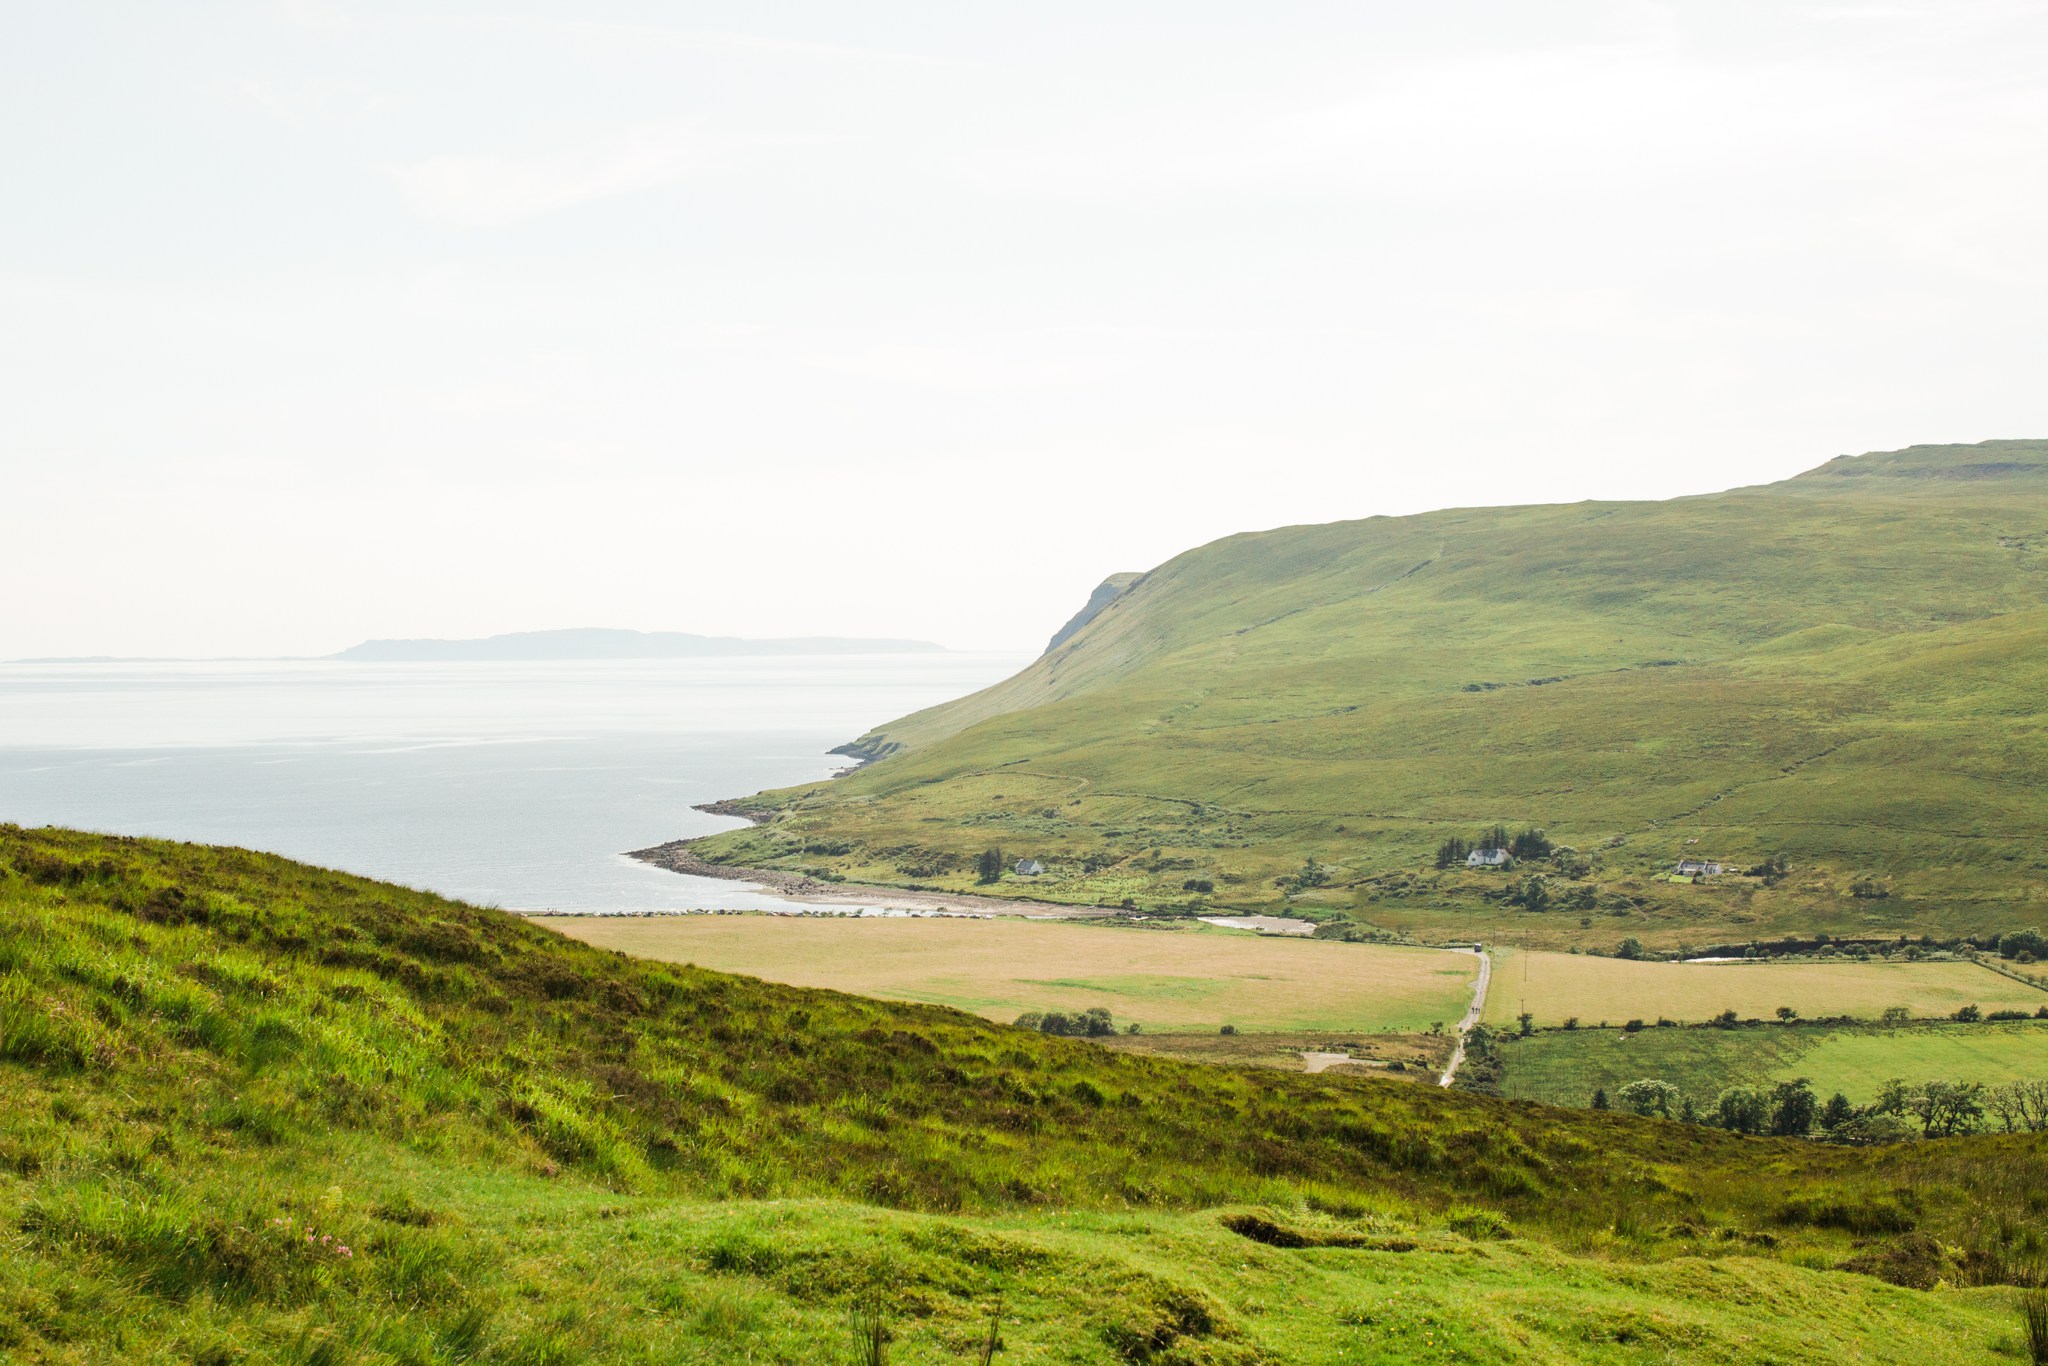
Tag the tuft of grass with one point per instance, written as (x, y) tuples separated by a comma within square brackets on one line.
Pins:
[(2034, 1322)]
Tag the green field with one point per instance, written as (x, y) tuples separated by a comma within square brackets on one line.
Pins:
[(1555, 987), (1157, 979), (219, 1069), (1564, 1067), (1844, 668)]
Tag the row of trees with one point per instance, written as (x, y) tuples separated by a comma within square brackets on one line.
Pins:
[(1092, 1023), (1932, 1109), (1526, 844)]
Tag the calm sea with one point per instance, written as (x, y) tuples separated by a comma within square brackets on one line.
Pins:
[(514, 785)]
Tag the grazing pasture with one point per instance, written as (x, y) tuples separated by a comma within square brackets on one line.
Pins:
[(1162, 980), (1555, 987), (1565, 1067)]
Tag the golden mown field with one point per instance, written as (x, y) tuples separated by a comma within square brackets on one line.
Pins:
[(1556, 986), (1161, 980)]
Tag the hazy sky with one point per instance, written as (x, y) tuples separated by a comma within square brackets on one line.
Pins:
[(324, 320)]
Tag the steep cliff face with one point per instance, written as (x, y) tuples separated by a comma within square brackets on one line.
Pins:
[(1106, 592)]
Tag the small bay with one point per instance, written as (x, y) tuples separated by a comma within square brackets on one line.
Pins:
[(510, 784)]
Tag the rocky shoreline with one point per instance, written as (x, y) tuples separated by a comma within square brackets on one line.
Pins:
[(677, 857)]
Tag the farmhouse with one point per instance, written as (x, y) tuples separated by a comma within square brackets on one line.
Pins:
[(1696, 868), (1029, 867), (1488, 858)]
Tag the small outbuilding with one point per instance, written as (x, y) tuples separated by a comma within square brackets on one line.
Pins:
[(1488, 858), (1698, 868), (1029, 867)]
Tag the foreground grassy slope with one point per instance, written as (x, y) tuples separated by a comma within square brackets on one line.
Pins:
[(1845, 668), (220, 1069)]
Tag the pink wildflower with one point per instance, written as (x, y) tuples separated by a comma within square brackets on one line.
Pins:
[(326, 1238), (343, 1250)]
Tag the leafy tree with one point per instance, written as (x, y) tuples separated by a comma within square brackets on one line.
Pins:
[(1969, 1014), (989, 866), (1648, 1097), (1530, 844), (1599, 1098), (1452, 852), (1631, 948), (1725, 1020), (1496, 838), (1742, 1110), (1532, 895), (1525, 1024), (2030, 942), (1787, 1014), (1793, 1107), (2021, 1106), (1687, 1112), (1894, 1016), (1837, 1112), (1947, 1108)]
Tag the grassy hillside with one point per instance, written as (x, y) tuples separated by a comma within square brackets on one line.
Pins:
[(1844, 668), (256, 1112)]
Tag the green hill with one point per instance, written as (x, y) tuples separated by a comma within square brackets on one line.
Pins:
[(252, 1111), (1845, 668)]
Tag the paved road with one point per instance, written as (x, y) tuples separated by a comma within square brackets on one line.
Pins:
[(1471, 1017)]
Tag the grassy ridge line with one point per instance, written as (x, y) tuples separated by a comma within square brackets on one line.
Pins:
[(1844, 668), (212, 1061)]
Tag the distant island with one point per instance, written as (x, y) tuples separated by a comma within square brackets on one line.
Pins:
[(597, 643)]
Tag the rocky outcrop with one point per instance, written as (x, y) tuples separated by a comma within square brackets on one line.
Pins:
[(1106, 592)]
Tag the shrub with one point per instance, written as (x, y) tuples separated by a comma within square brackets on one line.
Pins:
[(1200, 885), (1228, 1029), (1477, 1223), (1969, 1014)]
